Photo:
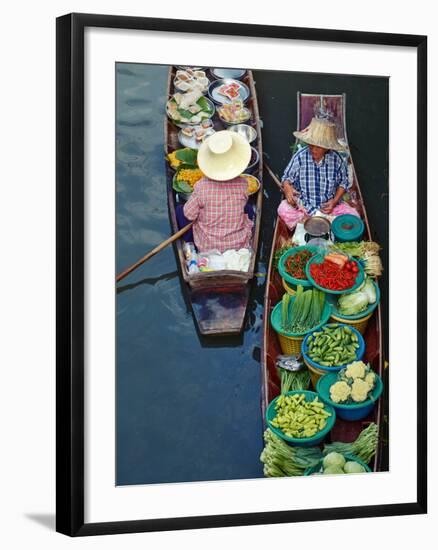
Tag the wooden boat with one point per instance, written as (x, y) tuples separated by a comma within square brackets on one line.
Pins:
[(218, 299), (308, 106)]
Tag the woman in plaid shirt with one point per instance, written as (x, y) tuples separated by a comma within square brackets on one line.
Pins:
[(316, 177), (218, 204)]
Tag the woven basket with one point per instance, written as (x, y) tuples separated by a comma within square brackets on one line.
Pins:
[(359, 324), (290, 345), (291, 291)]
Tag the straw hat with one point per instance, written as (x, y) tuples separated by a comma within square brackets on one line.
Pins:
[(322, 133), (224, 155)]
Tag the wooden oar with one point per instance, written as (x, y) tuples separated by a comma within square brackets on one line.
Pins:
[(145, 258), (273, 176)]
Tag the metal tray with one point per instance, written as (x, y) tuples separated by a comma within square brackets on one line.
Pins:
[(220, 99), (192, 142), (235, 74)]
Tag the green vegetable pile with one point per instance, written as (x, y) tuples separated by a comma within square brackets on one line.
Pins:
[(367, 251), (299, 418), (335, 463), (364, 447), (294, 380), (333, 345), (357, 301), (282, 460), (302, 312), (354, 385)]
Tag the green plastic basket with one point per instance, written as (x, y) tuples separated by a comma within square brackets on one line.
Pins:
[(316, 439), (348, 457), (276, 319), (361, 314), (319, 258), (282, 265)]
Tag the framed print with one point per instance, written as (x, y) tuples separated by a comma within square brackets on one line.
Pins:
[(270, 365)]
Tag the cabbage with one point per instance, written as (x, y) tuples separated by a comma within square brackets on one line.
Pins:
[(334, 460), (350, 304), (333, 470), (352, 467), (370, 291)]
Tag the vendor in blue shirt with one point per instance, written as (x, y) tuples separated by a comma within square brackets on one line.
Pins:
[(316, 177)]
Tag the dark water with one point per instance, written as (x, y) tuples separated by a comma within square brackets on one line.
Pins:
[(188, 409)]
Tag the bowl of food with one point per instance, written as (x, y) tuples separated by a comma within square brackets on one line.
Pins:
[(190, 108), (227, 90), (292, 265), (245, 130), (188, 80), (353, 391), (335, 273), (337, 463), (184, 181), (331, 348), (233, 113), (236, 74), (253, 183), (300, 418), (193, 136)]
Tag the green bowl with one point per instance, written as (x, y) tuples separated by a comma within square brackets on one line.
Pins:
[(282, 265), (319, 258), (276, 319), (361, 314), (348, 411), (318, 438), (348, 457)]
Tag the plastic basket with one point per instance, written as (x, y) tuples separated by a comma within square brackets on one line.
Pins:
[(282, 265), (347, 227), (358, 316), (319, 258), (359, 324), (348, 411), (302, 441), (317, 370)]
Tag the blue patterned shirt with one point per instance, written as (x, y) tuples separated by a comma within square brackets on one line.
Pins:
[(316, 183)]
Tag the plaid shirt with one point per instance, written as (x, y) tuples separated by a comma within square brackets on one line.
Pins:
[(316, 183), (217, 207)]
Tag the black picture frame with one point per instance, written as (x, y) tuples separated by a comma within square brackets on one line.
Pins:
[(70, 272)]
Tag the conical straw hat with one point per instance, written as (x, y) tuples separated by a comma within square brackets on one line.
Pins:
[(322, 133), (224, 155)]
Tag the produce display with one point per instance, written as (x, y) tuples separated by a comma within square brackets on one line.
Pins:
[(280, 459), (296, 264), (358, 300), (335, 272), (189, 108), (189, 80), (302, 312), (367, 251), (333, 345), (292, 380), (182, 156), (186, 178), (364, 447), (335, 463), (354, 385), (299, 418), (234, 112)]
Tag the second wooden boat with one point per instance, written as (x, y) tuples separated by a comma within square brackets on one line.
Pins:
[(219, 299), (347, 431)]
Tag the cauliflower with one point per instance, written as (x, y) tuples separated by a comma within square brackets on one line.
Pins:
[(359, 390), (370, 379), (355, 370), (340, 391)]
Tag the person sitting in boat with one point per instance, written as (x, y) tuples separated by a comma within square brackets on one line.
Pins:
[(218, 203), (316, 177)]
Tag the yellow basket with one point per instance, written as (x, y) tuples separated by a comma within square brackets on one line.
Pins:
[(315, 374), (290, 345), (359, 324), (288, 288)]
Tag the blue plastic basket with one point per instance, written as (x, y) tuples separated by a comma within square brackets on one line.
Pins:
[(317, 468), (302, 441), (347, 228), (359, 352), (348, 411)]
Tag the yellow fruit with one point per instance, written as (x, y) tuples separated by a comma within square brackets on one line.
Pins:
[(189, 175)]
